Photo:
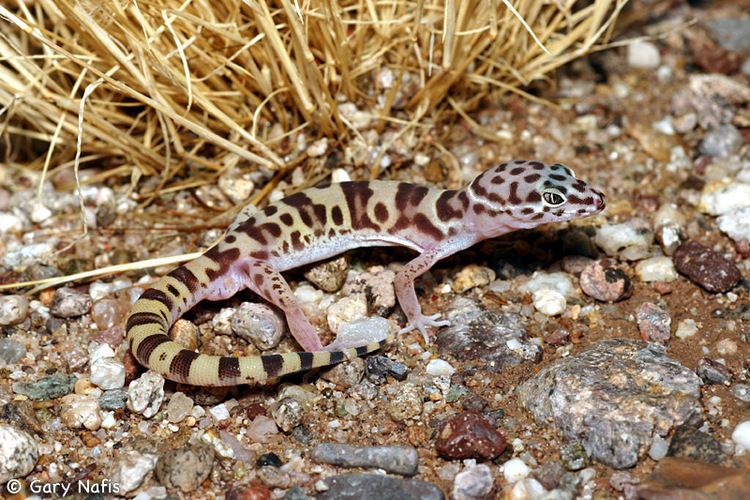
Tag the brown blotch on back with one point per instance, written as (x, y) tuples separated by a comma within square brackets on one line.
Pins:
[(272, 228), (337, 216), (381, 212), (320, 213), (254, 232), (223, 258), (260, 255), (463, 197), (180, 365), (357, 195), (270, 210), (295, 237), (444, 209), (424, 225), (409, 194)]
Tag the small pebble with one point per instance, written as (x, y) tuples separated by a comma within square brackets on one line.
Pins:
[(549, 302), (350, 486), (713, 372), (654, 322), (79, 411), (736, 224), (146, 394), (656, 269), (659, 447), (514, 470), (13, 309), (70, 303), (132, 469), (113, 400), (722, 141), (605, 283), (474, 482), (472, 276), (394, 459), (108, 373), (573, 456), (287, 414), (406, 404), (629, 241), (741, 392), (18, 453), (377, 285), (440, 368), (719, 199), (346, 374), (550, 474), (269, 460), (318, 148), (741, 435), (706, 267), (261, 429), (259, 324), (185, 468), (694, 444), (379, 366), (686, 328), (179, 407), (346, 310), (11, 351), (643, 54), (329, 276), (557, 282), (468, 435), (52, 387)]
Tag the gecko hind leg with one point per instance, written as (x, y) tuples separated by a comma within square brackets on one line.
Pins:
[(262, 279)]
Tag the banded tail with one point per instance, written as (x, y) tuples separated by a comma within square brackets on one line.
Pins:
[(161, 305)]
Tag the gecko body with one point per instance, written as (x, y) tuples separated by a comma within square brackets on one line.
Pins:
[(325, 221)]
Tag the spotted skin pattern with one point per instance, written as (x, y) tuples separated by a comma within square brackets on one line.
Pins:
[(322, 222)]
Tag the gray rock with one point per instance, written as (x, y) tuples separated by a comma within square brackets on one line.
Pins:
[(52, 387), (11, 351), (378, 366), (741, 392), (493, 339), (185, 468), (70, 303), (724, 140), (613, 397), (732, 33), (259, 324), (378, 487), (114, 399), (346, 374), (653, 322), (13, 309), (287, 414), (689, 442), (396, 459), (713, 372), (473, 483), (18, 453), (329, 276), (573, 456)]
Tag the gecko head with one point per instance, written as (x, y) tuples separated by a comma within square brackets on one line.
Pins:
[(530, 193)]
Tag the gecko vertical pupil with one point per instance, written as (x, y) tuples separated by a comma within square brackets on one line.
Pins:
[(553, 198)]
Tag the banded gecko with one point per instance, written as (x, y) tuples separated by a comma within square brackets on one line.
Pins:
[(325, 221)]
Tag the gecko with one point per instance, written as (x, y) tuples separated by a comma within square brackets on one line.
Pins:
[(325, 221)]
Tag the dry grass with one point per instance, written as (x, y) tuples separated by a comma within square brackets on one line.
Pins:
[(182, 90), (159, 85)]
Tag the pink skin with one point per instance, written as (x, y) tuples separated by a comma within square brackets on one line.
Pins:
[(516, 195)]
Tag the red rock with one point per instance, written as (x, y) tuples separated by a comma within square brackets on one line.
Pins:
[(705, 267), (249, 492), (604, 282), (653, 322), (469, 435)]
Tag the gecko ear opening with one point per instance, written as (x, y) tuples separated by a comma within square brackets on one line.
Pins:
[(359, 333)]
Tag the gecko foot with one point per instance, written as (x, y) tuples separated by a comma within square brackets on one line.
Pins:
[(422, 322)]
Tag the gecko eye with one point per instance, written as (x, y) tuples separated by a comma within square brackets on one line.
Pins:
[(553, 198)]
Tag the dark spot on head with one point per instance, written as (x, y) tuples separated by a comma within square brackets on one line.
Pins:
[(527, 211), (534, 197), (501, 168), (532, 178), (498, 179), (287, 219), (536, 165), (556, 167), (557, 177), (538, 216), (513, 198), (270, 210), (517, 171)]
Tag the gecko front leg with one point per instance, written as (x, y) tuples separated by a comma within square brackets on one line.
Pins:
[(407, 296), (264, 280)]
